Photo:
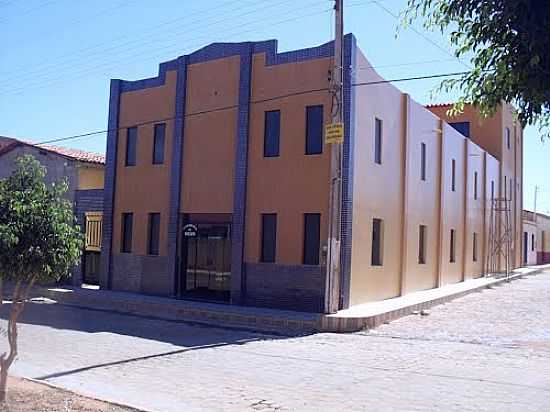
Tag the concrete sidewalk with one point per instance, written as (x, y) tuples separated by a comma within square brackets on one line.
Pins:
[(365, 316)]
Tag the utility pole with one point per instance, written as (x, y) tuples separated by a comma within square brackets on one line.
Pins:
[(333, 267)]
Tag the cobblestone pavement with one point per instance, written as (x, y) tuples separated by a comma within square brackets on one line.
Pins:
[(488, 351)]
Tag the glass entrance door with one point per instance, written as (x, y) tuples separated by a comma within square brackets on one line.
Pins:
[(207, 262)]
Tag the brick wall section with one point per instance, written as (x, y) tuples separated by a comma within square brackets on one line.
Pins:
[(285, 287), (543, 258), (141, 274)]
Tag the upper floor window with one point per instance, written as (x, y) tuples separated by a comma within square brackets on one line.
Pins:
[(312, 235), (474, 246), (272, 130), (508, 142), (131, 146), (475, 185), (158, 143), (461, 127), (453, 175), (314, 130), (423, 161), (377, 141)]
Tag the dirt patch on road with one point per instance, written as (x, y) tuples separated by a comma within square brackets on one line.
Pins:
[(29, 396)]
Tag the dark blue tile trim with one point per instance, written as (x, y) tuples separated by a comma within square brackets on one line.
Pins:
[(238, 274), (176, 171), (350, 46), (109, 190), (220, 50)]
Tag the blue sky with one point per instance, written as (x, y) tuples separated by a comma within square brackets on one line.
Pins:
[(57, 56)]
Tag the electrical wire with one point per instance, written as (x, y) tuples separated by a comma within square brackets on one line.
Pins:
[(230, 107)]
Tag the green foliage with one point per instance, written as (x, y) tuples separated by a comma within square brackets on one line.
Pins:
[(39, 240), (508, 42)]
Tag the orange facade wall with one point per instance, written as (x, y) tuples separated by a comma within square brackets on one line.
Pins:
[(144, 188), (292, 183), (209, 143)]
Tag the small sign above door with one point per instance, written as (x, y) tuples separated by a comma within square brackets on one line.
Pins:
[(190, 230)]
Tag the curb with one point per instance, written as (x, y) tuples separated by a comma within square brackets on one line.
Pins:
[(59, 387)]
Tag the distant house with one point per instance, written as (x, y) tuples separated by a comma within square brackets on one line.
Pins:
[(536, 238), (84, 172)]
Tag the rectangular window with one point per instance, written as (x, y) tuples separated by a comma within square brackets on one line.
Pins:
[(269, 237), (461, 127), (452, 254), (423, 161), (532, 243), (377, 141), (475, 185), (153, 233), (453, 175), (474, 252), (508, 143), (422, 239), (131, 144), (312, 235), (272, 130), (127, 224), (511, 190), (314, 130), (377, 242), (506, 187), (492, 190), (158, 144)]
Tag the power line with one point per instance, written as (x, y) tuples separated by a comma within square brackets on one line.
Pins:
[(230, 107), (41, 83), (170, 48), (443, 49), (31, 10), (74, 56)]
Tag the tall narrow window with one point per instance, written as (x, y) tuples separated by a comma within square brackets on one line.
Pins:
[(508, 143), (532, 242), (153, 233), (474, 251), (506, 187), (492, 190), (272, 130), (127, 224), (453, 175), (422, 239), (131, 144), (158, 143), (377, 141), (423, 161), (475, 185), (377, 242), (511, 190), (314, 130), (452, 254), (269, 237), (312, 234)]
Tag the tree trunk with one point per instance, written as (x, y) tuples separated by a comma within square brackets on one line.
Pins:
[(18, 302)]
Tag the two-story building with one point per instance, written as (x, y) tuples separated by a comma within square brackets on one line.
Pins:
[(218, 177)]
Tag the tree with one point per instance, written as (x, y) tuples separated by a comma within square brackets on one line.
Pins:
[(39, 242), (508, 41)]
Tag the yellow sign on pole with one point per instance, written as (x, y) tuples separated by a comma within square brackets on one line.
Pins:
[(334, 133)]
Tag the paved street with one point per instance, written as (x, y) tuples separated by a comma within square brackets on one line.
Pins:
[(486, 351)]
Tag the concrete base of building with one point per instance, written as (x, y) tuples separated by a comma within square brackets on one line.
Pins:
[(356, 318)]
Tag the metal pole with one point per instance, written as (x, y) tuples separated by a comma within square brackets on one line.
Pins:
[(332, 292)]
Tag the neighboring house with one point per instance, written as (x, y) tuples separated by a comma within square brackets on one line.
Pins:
[(217, 182), (84, 173), (536, 237)]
